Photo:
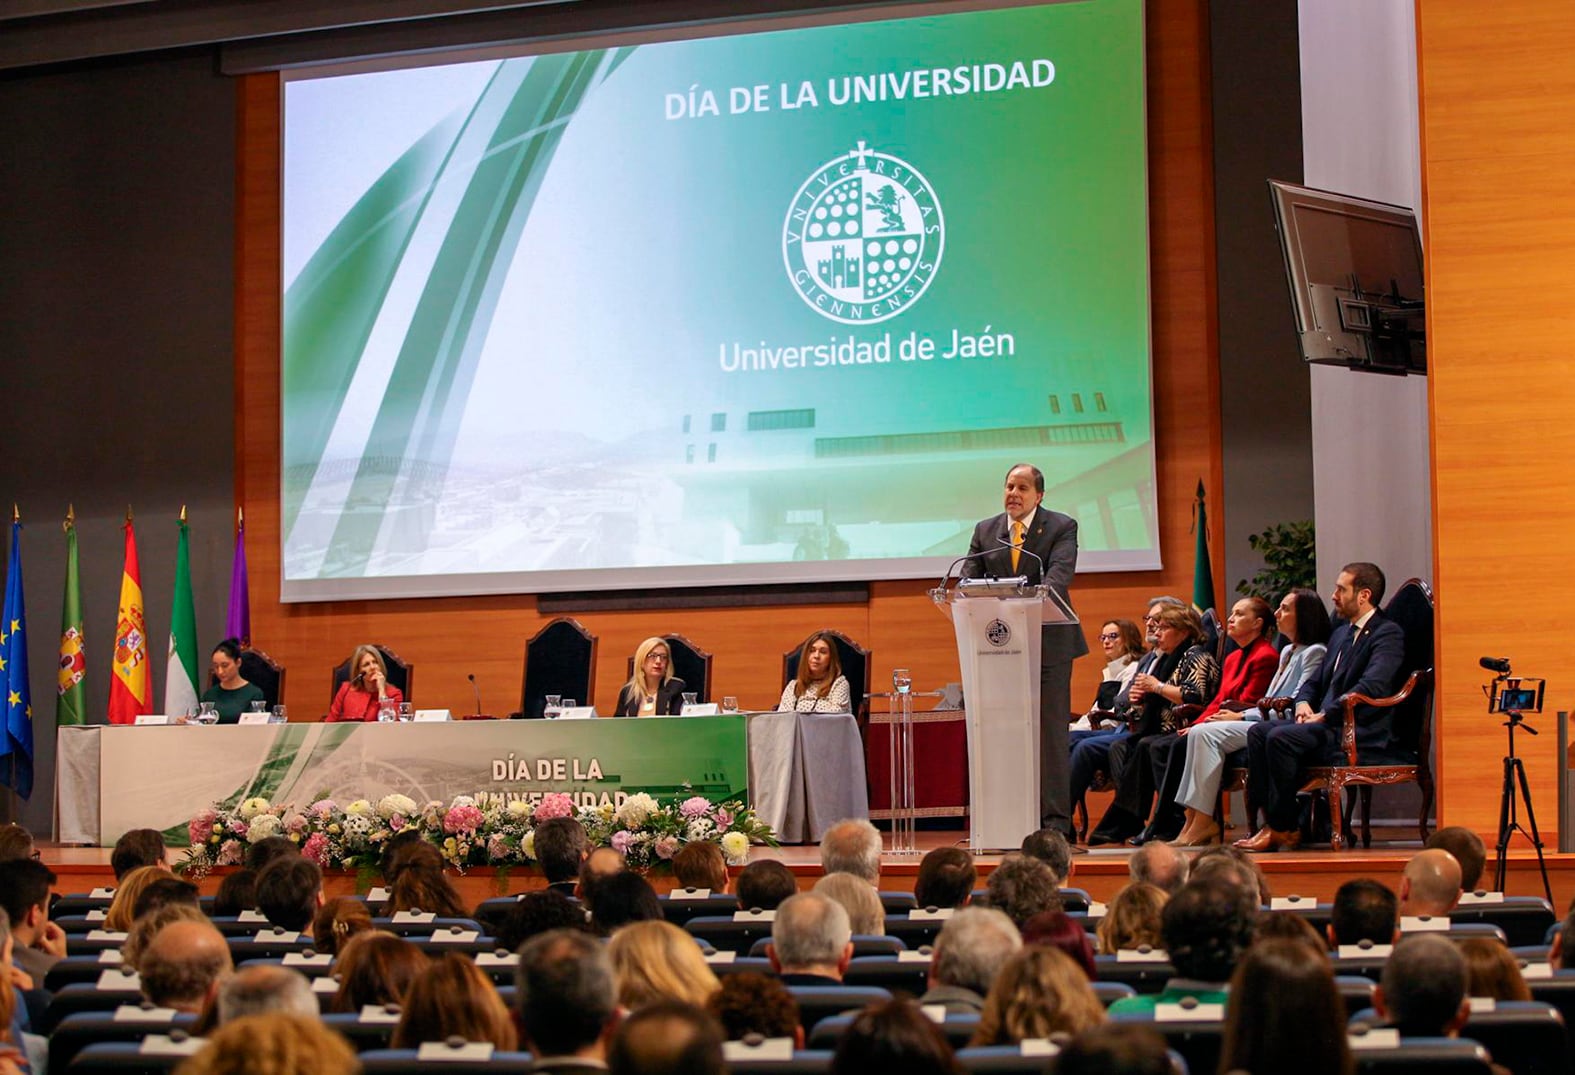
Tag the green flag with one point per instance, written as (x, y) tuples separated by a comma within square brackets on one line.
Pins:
[(1202, 570), (69, 707), (180, 679)]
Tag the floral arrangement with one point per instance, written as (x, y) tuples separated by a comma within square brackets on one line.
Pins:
[(486, 829)]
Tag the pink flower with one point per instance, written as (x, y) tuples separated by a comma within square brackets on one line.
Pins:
[(723, 819), (295, 823), (667, 847), (622, 840), (554, 804), (696, 806), (397, 822), (230, 853), (324, 807), (201, 826), (239, 828), (316, 848), (497, 846), (462, 819)]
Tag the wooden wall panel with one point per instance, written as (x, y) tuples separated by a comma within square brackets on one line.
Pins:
[(1497, 94), (449, 638)]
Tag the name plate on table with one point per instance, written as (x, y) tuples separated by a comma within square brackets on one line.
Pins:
[(755, 915), (720, 957), (96, 916), (111, 956), (1424, 924), (255, 718), (701, 709), (135, 1013), (119, 980), (102, 894), (1363, 951), (251, 916), (1188, 1013), (930, 914), (1095, 910), (1038, 1047), (579, 712), (1292, 903), (1482, 1004), (1138, 955), (378, 1013), (432, 716), (455, 936), (413, 917), (151, 720), (325, 985), (776, 1049), (920, 955), (1540, 970), (689, 894), (1378, 1037), (479, 1051), (935, 1013), (164, 1045), (1479, 898), (105, 935), (276, 936), (377, 895), (501, 959), (308, 959)]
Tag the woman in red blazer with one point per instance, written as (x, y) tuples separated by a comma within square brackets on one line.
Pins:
[(360, 696)]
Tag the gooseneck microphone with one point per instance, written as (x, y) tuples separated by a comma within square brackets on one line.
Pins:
[(1495, 664), (474, 687)]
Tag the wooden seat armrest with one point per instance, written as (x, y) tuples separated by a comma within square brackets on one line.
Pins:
[(1413, 683), (1185, 713), (1266, 704)]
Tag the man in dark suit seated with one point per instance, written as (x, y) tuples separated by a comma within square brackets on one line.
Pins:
[(1365, 657)]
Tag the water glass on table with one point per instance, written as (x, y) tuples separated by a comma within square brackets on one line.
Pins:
[(729, 703), (553, 707)]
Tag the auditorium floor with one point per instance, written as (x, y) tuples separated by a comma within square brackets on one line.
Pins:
[(1101, 871)]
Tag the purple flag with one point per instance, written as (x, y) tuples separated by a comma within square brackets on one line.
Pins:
[(239, 622)]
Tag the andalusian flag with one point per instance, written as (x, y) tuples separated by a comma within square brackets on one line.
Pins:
[(16, 754), (130, 693), (238, 624), (180, 678), (69, 705), (1202, 569)]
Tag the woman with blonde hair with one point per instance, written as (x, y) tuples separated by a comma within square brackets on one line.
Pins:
[(452, 998), (119, 916), (866, 914), (1039, 991), (363, 694), (655, 960), (273, 1045), (1132, 919), (653, 690), (820, 686)]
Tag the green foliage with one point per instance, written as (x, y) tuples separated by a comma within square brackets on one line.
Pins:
[(1289, 553)]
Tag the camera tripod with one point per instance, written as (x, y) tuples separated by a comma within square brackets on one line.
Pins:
[(1508, 814)]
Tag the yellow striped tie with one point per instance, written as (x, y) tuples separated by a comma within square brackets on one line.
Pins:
[(1017, 542)]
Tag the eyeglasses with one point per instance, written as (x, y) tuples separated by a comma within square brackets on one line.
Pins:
[(1112, 636), (1150, 620)]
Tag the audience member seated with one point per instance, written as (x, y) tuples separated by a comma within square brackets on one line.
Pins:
[(375, 968), (1422, 992), (1037, 993), (946, 878), (1235, 866), (237, 893), (653, 690), (535, 913), (1186, 673), (289, 892), (656, 960), (970, 951), (701, 864), (232, 694), (24, 895), (144, 929), (1205, 927), (394, 848), (820, 686), (1049, 846), (275, 1045), (1304, 621), (892, 1037), (119, 917), (13, 1039), (1284, 1014), (15, 842), (560, 846), (1469, 851), (451, 998), (1057, 929), (763, 885), (1491, 971), (163, 891), (1123, 645), (811, 940), (417, 882), (852, 846), (336, 921), (600, 863), (139, 847), (568, 1005), (1365, 655), (182, 966), (749, 1003), (1115, 1049), (1022, 887), (1160, 865), (1289, 926), (266, 850), (1430, 884), (1364, 910), (866, 916), (360, 697), (1561, 953), (1132, 918), (670, 1037), (266, 990), (623, 898)]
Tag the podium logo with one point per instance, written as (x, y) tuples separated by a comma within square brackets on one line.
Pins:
[(863, 237), (997, 633)]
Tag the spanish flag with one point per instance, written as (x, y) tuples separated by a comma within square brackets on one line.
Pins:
[(130, 692)]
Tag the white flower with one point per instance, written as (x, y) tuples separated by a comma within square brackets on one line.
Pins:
[(358, 825), (528, 845), (701, 828), (735, 845), (389, 805), (252, 807), (519, 809), (462, 800), (636, 810), (359, 808), (262, 827)]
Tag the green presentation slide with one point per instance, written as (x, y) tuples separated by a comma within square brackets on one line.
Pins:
[(756, 307)]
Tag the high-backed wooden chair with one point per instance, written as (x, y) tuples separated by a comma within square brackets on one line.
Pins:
[(259, 668), (856, 664), (559, 659), (690, 663), (401, 673)]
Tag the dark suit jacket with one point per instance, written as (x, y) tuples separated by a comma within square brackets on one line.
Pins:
[(1052, 537), (669, 700), (1372, 667)]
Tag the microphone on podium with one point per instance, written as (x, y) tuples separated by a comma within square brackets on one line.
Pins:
[(474, 687)]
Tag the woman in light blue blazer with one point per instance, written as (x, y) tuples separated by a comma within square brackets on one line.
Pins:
[(1304, 621)]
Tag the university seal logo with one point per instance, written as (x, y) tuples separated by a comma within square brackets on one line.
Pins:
[(863, 237), (997, 633)]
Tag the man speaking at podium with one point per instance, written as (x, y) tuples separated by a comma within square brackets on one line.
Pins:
[(1041, 546)]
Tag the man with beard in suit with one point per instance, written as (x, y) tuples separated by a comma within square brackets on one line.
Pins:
[(1041, 545)]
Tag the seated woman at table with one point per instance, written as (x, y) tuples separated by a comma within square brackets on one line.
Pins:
[(653, 690), (360, 696), (820, 686), (232, 695)]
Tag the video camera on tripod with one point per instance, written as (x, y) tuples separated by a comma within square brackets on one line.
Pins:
[(1514, 696)]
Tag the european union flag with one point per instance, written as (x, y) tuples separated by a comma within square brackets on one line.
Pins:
[(16, 749)]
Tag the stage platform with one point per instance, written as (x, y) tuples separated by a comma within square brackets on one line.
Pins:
[(1101, 871)]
